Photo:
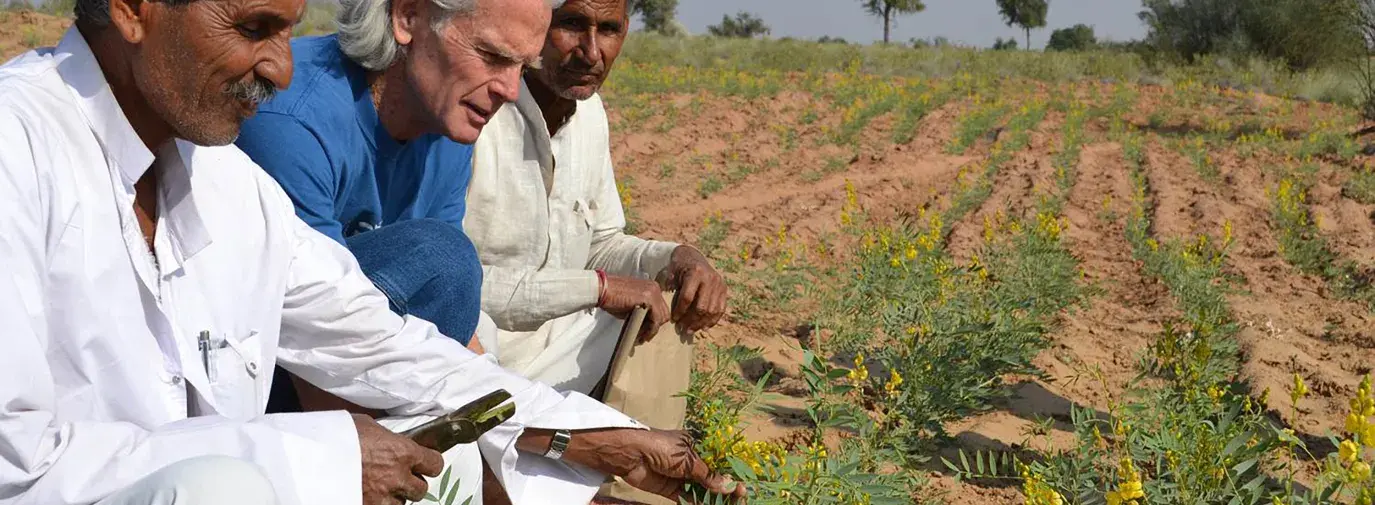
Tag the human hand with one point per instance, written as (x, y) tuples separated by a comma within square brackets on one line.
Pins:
[(624, 294), (656, 461), (669, 462), (393, 465), (700, 294)]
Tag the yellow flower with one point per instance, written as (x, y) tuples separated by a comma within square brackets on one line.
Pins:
[(1360, 471), (894, 381), (1300, 388), (1348, 451)]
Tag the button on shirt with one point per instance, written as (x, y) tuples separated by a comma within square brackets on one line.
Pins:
[(544, 213), (103, 379)]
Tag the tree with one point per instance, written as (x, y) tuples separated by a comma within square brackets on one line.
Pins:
[(744, 25), (889, 9), (657, 15), (1079, 37), (1005, 45), (1027, 14)]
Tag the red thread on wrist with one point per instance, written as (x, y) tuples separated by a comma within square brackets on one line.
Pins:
[(601, 287)]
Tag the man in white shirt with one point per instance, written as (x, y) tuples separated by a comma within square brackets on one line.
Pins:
[(556, 288), (152, 284)]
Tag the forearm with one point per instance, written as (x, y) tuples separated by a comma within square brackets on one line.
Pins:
[(603, 450), (629, 256), (523, 298)]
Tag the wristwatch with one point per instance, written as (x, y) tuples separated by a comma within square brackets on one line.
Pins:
[(558, 444)]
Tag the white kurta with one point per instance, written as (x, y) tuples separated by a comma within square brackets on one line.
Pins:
[(544, 213), (101, 377)]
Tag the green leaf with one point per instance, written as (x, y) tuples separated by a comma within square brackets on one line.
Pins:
[(469, 501), (742, 470), (444, 481), (430, 497), (979, 462), (1242, 467)]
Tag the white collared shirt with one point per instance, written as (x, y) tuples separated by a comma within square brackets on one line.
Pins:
[(544, 213), (102, 377)]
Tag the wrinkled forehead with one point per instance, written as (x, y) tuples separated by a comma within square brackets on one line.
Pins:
[(284, 11), (602, 10), (512, 28)]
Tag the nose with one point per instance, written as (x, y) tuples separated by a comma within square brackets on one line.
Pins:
[(591, 51), (507, 84), (274, 61)]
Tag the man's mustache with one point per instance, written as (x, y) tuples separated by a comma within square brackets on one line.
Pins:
[(256, 92)]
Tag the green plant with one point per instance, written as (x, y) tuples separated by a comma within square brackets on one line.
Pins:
[(975, 125), (714, 231), (448, 490), (709, 186), (1361, 186)]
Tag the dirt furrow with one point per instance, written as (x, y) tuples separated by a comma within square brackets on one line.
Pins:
[(1289, 321)]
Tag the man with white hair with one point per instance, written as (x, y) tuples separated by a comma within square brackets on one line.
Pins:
[(154, 277)]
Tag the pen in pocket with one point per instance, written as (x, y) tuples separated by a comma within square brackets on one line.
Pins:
[(203, 342)]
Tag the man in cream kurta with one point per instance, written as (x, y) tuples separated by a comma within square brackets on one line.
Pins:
[(546, 218), (127, 365)]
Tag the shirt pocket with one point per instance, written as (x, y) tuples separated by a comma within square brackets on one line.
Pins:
[(236, 375)]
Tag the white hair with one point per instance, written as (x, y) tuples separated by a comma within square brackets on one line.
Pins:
[(365, 28)]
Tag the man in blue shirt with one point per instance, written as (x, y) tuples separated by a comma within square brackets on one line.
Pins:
[(398, 206), (368, 141)]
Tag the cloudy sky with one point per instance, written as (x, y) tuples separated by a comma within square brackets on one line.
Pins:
[(973, 22)]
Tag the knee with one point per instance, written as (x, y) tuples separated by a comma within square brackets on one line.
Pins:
[(447, 249), (215, 480)]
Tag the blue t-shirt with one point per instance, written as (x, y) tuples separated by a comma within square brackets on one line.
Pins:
[(322, 140)]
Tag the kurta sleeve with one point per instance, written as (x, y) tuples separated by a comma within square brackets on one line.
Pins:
[(338, 334)]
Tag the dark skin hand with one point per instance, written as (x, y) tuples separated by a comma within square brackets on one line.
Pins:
[(660, 462), (393, 465), (699, 298), (623, 294), (700, 291)]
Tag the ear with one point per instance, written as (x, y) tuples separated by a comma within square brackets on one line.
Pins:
[(128, 16), (405, 20)]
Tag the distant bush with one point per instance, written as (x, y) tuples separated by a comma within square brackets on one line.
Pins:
[(18, 6), (1076, 38), (744, 25), (1304, 34), (931, 42), (827, 39), (1005, 45)]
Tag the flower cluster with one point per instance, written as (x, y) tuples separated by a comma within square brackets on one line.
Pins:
[(1037, 491), (1129, 488)]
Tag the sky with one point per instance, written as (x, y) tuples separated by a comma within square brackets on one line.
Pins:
[(970, 22)]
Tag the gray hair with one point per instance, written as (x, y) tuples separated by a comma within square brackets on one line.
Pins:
[(365, 28)]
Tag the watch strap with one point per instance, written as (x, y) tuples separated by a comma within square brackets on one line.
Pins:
[(558, 444)]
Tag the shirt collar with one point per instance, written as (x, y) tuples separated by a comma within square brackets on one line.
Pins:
[(124, 150), (126, 153)]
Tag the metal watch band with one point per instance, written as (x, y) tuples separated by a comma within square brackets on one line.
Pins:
[(558, 444)]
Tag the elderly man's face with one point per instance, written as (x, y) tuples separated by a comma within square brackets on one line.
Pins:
[(584, 40), (468, 69), (204, 67)]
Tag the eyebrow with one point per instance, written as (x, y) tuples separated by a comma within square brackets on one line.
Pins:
[(511, 57)]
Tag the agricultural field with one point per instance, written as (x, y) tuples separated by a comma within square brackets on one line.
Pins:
[(991, 278), (1013, 288)]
